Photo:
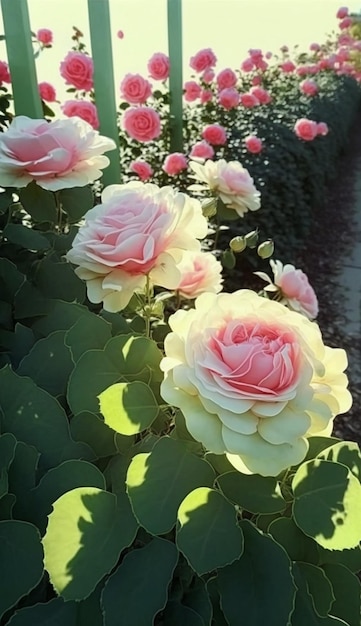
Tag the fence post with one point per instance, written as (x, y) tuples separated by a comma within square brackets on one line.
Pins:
[(21, 58), (175, 75), (100, 35)]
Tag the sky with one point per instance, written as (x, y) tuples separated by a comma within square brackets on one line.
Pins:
[(229, 27)]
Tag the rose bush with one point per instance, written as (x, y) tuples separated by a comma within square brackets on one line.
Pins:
[(252, 379)]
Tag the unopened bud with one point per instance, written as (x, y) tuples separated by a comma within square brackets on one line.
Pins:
[(209, 207), (251, 239), (228, 259), (237, 244), (266, 249)]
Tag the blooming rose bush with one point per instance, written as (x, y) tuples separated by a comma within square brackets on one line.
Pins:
[(253, 380), (63, 154)]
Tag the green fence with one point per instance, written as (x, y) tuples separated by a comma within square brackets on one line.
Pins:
[(21, 61)]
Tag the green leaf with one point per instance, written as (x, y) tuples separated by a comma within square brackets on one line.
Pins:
[(21, 558), (53, 613), (59, 316), (349, 558), (304, 613), (346, 589), (208, 534), (219, 462), (49, 363), (327, 505), (298, 546), (124, 358), (59, 480), (88, 333), (22, 478), (36, 418), (26, 237), (24, 340), (76, 202), (57, 279), (165, 476), (143, 575), (7, 453), (317, 444), (10, 279), (177, 614), (90, 429), (197, 599), (128, 408), (39, 203), (319, 587), (218, 615), (29, 302), (254, 493), (6, 196), (259, 585), (85, 535), (345, 452), (6, 506)]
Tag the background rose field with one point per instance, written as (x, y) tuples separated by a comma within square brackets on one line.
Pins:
[(167, 400)]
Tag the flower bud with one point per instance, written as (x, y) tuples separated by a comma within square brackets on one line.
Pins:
[(266, 249), (251, 238), (228, 259), (209, 207), (237, 244)]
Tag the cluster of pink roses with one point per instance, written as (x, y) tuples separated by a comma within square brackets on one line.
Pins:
[(308, 129)]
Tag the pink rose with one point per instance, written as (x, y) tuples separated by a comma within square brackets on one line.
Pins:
[(249, 100), (81, 108), (57, 155), (45, 36), (135, 89), (142, 123), (192, 91), (247, 65), (142, 168), (315, 47), (256, 54), (231, 182), (4, 73), (208, 76), (228, 98), (305, 129), (158, 66), (253, 144), (309, 87), (202, 150), (77, 70), (345, 23), (226, 78), (295, 288), (256, 81), (203, 60), (342, 12), (287, 67), (139, 230), (261, 94), (322, 128), (47, 92), (120, 34), (206, 96), (253, 380), (175, 163), (200, 273), (215, 134), (262, 65)]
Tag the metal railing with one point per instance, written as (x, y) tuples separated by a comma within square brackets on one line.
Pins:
[(21, 61)]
